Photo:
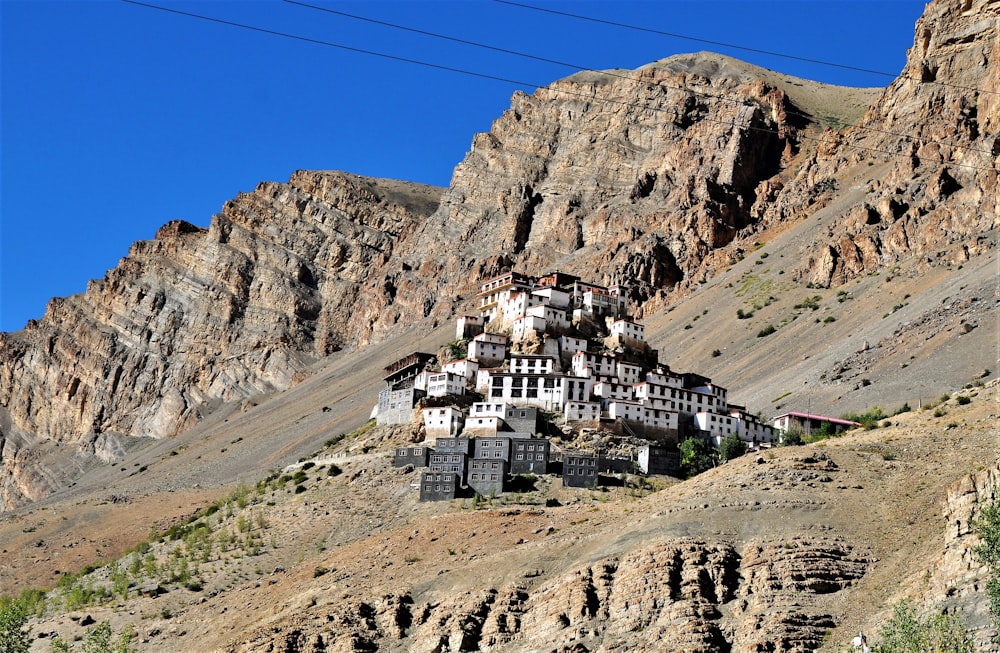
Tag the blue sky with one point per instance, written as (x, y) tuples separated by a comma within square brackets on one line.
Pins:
[(117, 118)]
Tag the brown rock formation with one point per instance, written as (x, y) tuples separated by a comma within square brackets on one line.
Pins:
[(658, 176)]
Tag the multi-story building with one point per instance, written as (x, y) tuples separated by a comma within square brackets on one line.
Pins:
[(494, 292), (488, 349), (579, 470), (487, 476), (439, 486), (416, 456), (443, 422), (491, 448), (529, 455), (442, 384), (448, 462)]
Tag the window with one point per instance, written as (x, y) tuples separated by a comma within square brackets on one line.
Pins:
[(519, 456), (539, 456)]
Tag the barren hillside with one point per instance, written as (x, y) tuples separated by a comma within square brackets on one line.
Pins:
[(808, 247)]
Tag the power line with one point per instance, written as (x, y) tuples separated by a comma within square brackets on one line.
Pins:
[(462, 71), (686, 37), (611, 73)]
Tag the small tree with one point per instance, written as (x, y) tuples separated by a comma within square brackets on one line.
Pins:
[(13, 639), (906, 632), (732, 447), (696, 456), (987, 526), (791, 438)]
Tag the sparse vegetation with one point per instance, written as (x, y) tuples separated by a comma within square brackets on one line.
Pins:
[(869, 419), (811, 303), (697, 456), (741, 315), (987, 526), (766, 331), (907, 632)]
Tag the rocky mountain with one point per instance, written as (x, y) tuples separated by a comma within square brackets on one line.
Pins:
[(859, 224)]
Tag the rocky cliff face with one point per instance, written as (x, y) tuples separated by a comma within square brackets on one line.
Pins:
[(931, 141), (196, 317), (959, 579), (698, 596), (660, 176)]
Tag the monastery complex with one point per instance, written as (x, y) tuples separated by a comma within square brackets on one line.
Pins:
[(542, 351)]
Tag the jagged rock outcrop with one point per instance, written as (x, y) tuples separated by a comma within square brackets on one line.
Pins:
[(699, 596), (958, 582), (931, 141), (654, 176), (196, 317)]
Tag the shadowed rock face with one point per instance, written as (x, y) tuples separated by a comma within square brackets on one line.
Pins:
[(669, 592), (659, 176)]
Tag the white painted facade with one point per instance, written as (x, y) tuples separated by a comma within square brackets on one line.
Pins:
[(441, 384), (545, 391), (465, 368), (626, 330), (582, 411), (613, 391), (525, 364), (555, 318), (469, 326), (628, 372), (526, 326), (488, 348), (718, 426), (590, 364), (443, 422), (552, 297), (569, 345)]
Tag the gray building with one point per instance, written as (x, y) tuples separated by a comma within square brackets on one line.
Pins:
[(396, 406), (524, 419), (579, 470), (416, 456), (448, 462), (529, 455), (486, 476), (453, 445), (495, 448), (438, 486)]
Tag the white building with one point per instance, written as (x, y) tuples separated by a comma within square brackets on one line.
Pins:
[(488, 348), (586, 363), (569, 345), (545, 391), (654, 395), (628, 373), (582, 411), (552, 297), (441, 384), (718, 426), (494, 292), (628, 331), (465, 368), (527, 364), (526, 327), (443, 422), (469, 326), (555, 318), (613, 391)]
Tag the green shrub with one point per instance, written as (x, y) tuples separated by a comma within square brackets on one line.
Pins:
[(907, 632), (13, 638), (963, 400), (766, 331), (987, 526)]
